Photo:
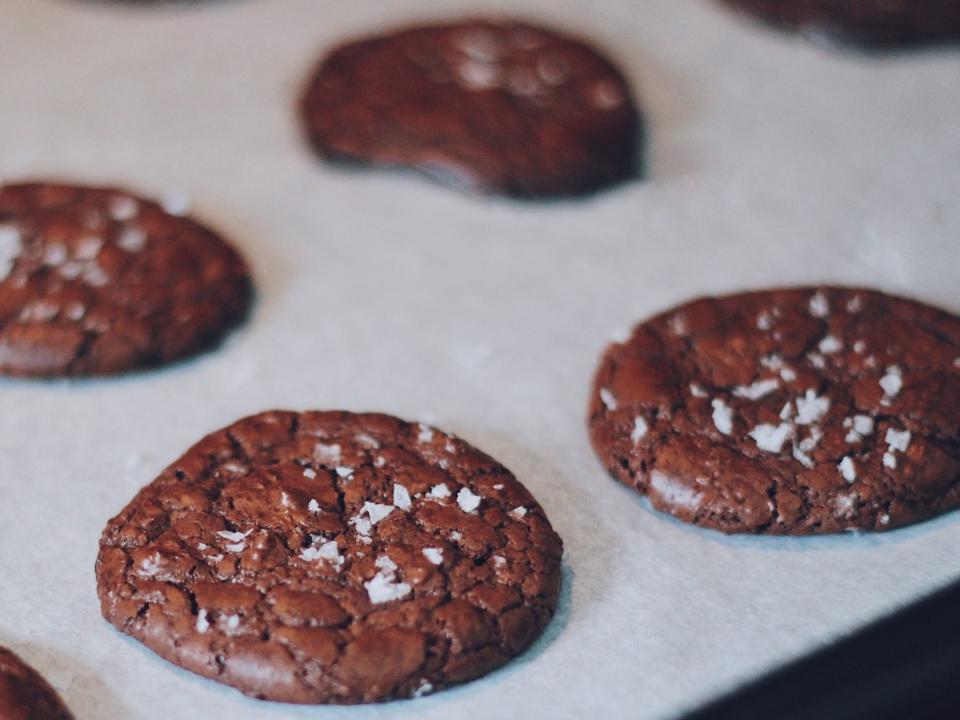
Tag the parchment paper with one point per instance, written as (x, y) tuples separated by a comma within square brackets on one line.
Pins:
[(771, 161)]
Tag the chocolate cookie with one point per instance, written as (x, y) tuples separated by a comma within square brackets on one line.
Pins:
[(96, 281), (808, 410), (24, 694), (867, 23), (330, 557), (497, 107)]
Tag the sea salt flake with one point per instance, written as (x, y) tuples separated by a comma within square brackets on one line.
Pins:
[(313, 506), (203, 624), (95, 275), (88, 248), (860, 347), (434, 555), (819, 305), (439, 491), (175, 202), (722, 416), (456, 536), (498, 486), (855, 304), (323, 550), (150, 565), (478, 75), (123, 208), (892, 382), (764, 321), (678, 325), (310, 473), (848, 470), (55, 254), (830, 344), (499, 562), (674, 493), (344, 472), (898, 439), (608, 399), (845, 503), (786, 412), (376, 511), (75, 311), (384, 587), (327, 454), (606, 95), (801, 451), (788, 374), (810, 407), (553, 70), (11, 245), (757, 390), (425, 434), (518, 512), (860, 426), (772, 362), (233, 622), (234, 537), (698, 391), (132, 239), (640, 429), (884, 519), (368, 441), (422, 689), (467, 500), (39, 311), (890, 460), (401, 497), (770, 438), (817, 360)]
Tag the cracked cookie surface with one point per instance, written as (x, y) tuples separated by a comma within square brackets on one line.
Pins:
[(97, 281), (795, 411), (490, 106), (874, 24), (332, 557), (24, 694)]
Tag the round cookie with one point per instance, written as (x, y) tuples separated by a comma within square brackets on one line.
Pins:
[(795, 411), (490, 106), (331, 557), (24, 694), (867, 23), (96, 281)]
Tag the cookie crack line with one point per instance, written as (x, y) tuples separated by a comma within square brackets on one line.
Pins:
[(331, 557), (792, 411)]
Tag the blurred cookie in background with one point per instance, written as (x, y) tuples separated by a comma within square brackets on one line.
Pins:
[(24, 694), (870, 24), (495, 107)]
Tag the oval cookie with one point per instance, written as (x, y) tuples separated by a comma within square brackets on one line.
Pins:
[(490, 106), (795, 411), (330, 557), (97, 281)]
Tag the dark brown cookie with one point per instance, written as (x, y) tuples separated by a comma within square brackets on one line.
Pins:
[(867, 23), (96, 281), (807, 410), (24, 694), (330, 557), (497, 107)]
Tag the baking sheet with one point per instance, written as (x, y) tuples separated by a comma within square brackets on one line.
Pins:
[(771, 161)]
